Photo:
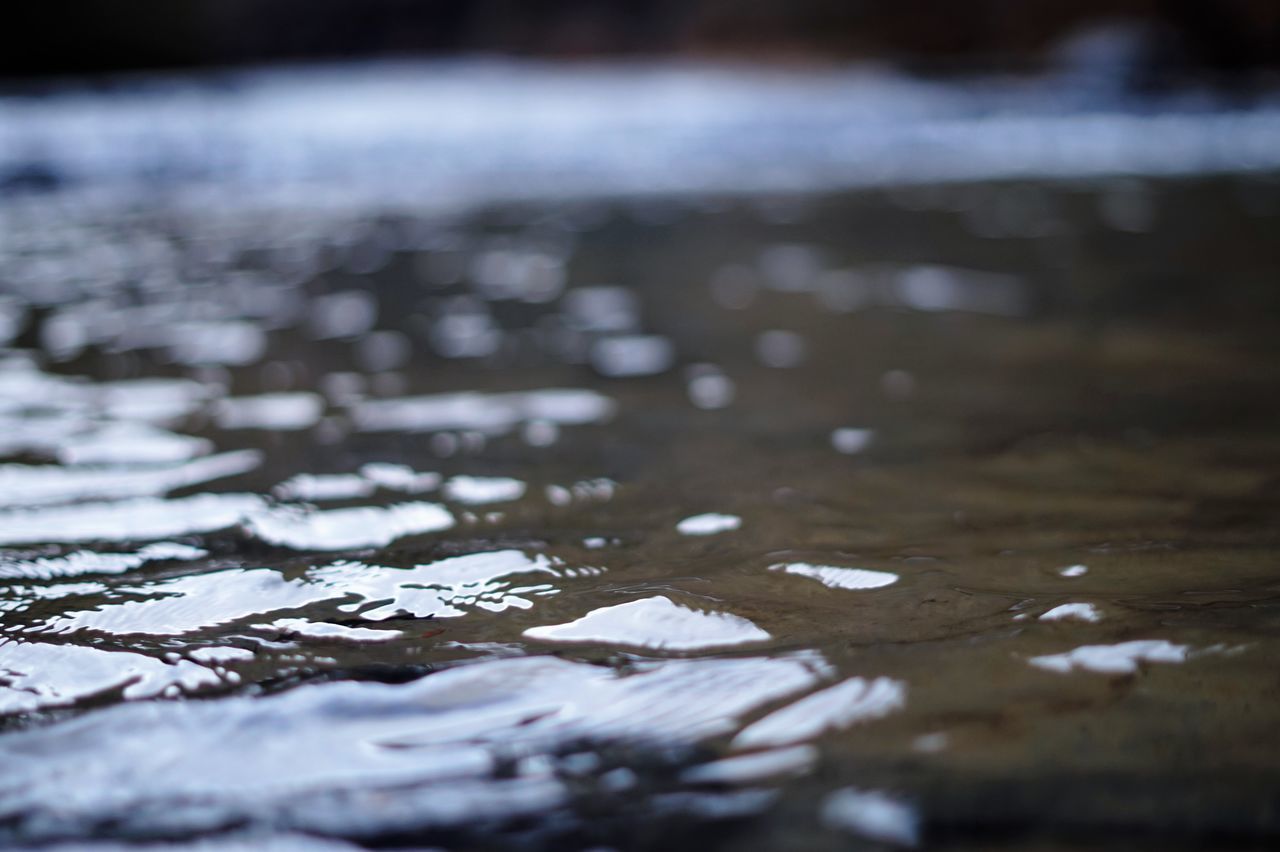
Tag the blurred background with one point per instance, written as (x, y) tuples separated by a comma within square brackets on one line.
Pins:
[(1231, 40), (923, 345)]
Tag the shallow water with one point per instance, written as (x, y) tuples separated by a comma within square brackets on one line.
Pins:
[(937, 515)]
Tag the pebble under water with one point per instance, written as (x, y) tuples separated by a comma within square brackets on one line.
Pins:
[(942, 515)]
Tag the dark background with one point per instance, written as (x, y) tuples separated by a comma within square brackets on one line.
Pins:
[(1224, 39)]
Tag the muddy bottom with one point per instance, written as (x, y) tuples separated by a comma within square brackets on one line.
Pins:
[(941, 516)]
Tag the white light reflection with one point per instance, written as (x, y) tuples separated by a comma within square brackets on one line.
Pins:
[(873, 815), (140, 519), (834, 708), (420, 754), (276, 411), (36, 485), (835, 577), (656, 623), (708, 524), (1122, 658), (1077, 611), (491, 414), (303, 528)]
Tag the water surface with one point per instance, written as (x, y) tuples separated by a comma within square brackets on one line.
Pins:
[(940, 514)]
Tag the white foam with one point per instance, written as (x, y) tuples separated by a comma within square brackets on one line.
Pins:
[(656, 623), (834, 577), (1074, 571)]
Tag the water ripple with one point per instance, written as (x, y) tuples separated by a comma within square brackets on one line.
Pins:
[(655, 622), (362, 759)]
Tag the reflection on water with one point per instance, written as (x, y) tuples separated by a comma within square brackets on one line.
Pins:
[(839, 578), (1114, 659), (935, 513), (872, 815), (139, 519), (484, 742), (656, 623)]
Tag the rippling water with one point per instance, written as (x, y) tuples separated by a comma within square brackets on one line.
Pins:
[(941, 514)]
